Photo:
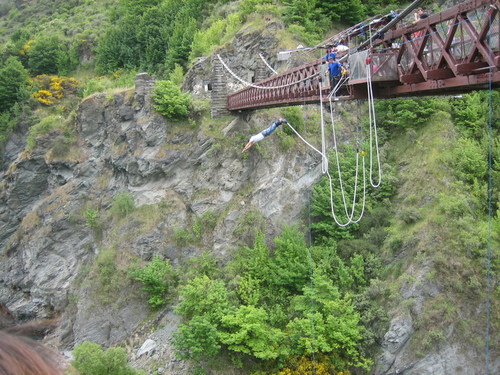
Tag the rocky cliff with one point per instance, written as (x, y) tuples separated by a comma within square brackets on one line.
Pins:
[(65, 253), (48, 248)]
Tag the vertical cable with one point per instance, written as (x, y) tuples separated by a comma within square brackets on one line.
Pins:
[(490, 203), (311, 270)]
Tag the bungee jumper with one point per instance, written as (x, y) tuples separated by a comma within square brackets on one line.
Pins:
[(264, 133)]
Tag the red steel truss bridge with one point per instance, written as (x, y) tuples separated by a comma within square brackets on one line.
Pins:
[(455, 51)]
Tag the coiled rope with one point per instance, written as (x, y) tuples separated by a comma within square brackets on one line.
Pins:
[(373, 126), (325, 170)]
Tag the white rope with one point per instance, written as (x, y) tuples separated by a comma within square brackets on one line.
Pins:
[(263, 87), (339, 84), (324, 160), (342, 190), (265, 62), (373, 128), (324, 167), (303, 140)]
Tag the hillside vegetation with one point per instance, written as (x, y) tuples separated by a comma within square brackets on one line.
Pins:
[(316, 298)]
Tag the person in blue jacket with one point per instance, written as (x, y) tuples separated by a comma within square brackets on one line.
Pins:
[(264, 133), (335, 70), (329, 54)]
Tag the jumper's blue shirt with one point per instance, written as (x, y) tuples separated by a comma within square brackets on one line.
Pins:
[(334, 68)]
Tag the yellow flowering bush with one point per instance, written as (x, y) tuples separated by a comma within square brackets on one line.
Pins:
[(24, 51), (306, 366), (44, 96), (54, 88)]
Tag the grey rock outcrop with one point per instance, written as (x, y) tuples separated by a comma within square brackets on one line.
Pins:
[(49, 249)]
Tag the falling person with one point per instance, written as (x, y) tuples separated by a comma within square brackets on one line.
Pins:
[(264, 133)]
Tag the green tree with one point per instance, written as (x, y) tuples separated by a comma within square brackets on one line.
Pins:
[(337, 326), (44, 55), (119, 47), (247, 331), (180, 42), (348, 11), (197, 340), (158, 278), (90, 359), (153, 34), (306, 14), (13, 83), (471, 112), (204, 296), (290, 264), (170, 101), (469, 160), (325, 230), (295, 117), (406, 113)]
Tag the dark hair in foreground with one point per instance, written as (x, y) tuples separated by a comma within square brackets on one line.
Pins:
[(23, 356)]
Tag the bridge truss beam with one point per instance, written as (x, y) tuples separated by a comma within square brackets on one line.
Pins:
[(457, 50)]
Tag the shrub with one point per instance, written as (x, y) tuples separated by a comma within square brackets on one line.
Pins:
[(123, 204), (92, 218), (61, 147), (43, 55), (107, 272), (170, 101), (409, 215), (13, 83), (54, 88), (468, 160), (90, 359), (158, 278), (177, 75), (197, 340), (7, 123), (295, 117), (406, 113), (45, 126), (184, 236)]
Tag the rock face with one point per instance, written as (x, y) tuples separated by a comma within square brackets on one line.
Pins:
[(48, 247), (54, 258)]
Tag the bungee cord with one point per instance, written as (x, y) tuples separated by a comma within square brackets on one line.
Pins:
[(373, 126), (325, 170), (342, 190)]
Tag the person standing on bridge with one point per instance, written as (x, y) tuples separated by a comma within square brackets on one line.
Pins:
[(260, 136), (330, 54), (335, 70)]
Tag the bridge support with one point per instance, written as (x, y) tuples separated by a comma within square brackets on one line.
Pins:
[(261, 71), (219, 90)]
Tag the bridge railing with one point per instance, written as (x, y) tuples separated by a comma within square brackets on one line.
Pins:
[(460, 41), (300, 83)]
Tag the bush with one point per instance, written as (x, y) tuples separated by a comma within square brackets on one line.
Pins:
[(44, 55), (123, 204), (45, 126), (158, 278), (197, 340), (13, 83), (170, 101), (468, 160), (406, 113), (92, 218), (90, 359), (295, 117)]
